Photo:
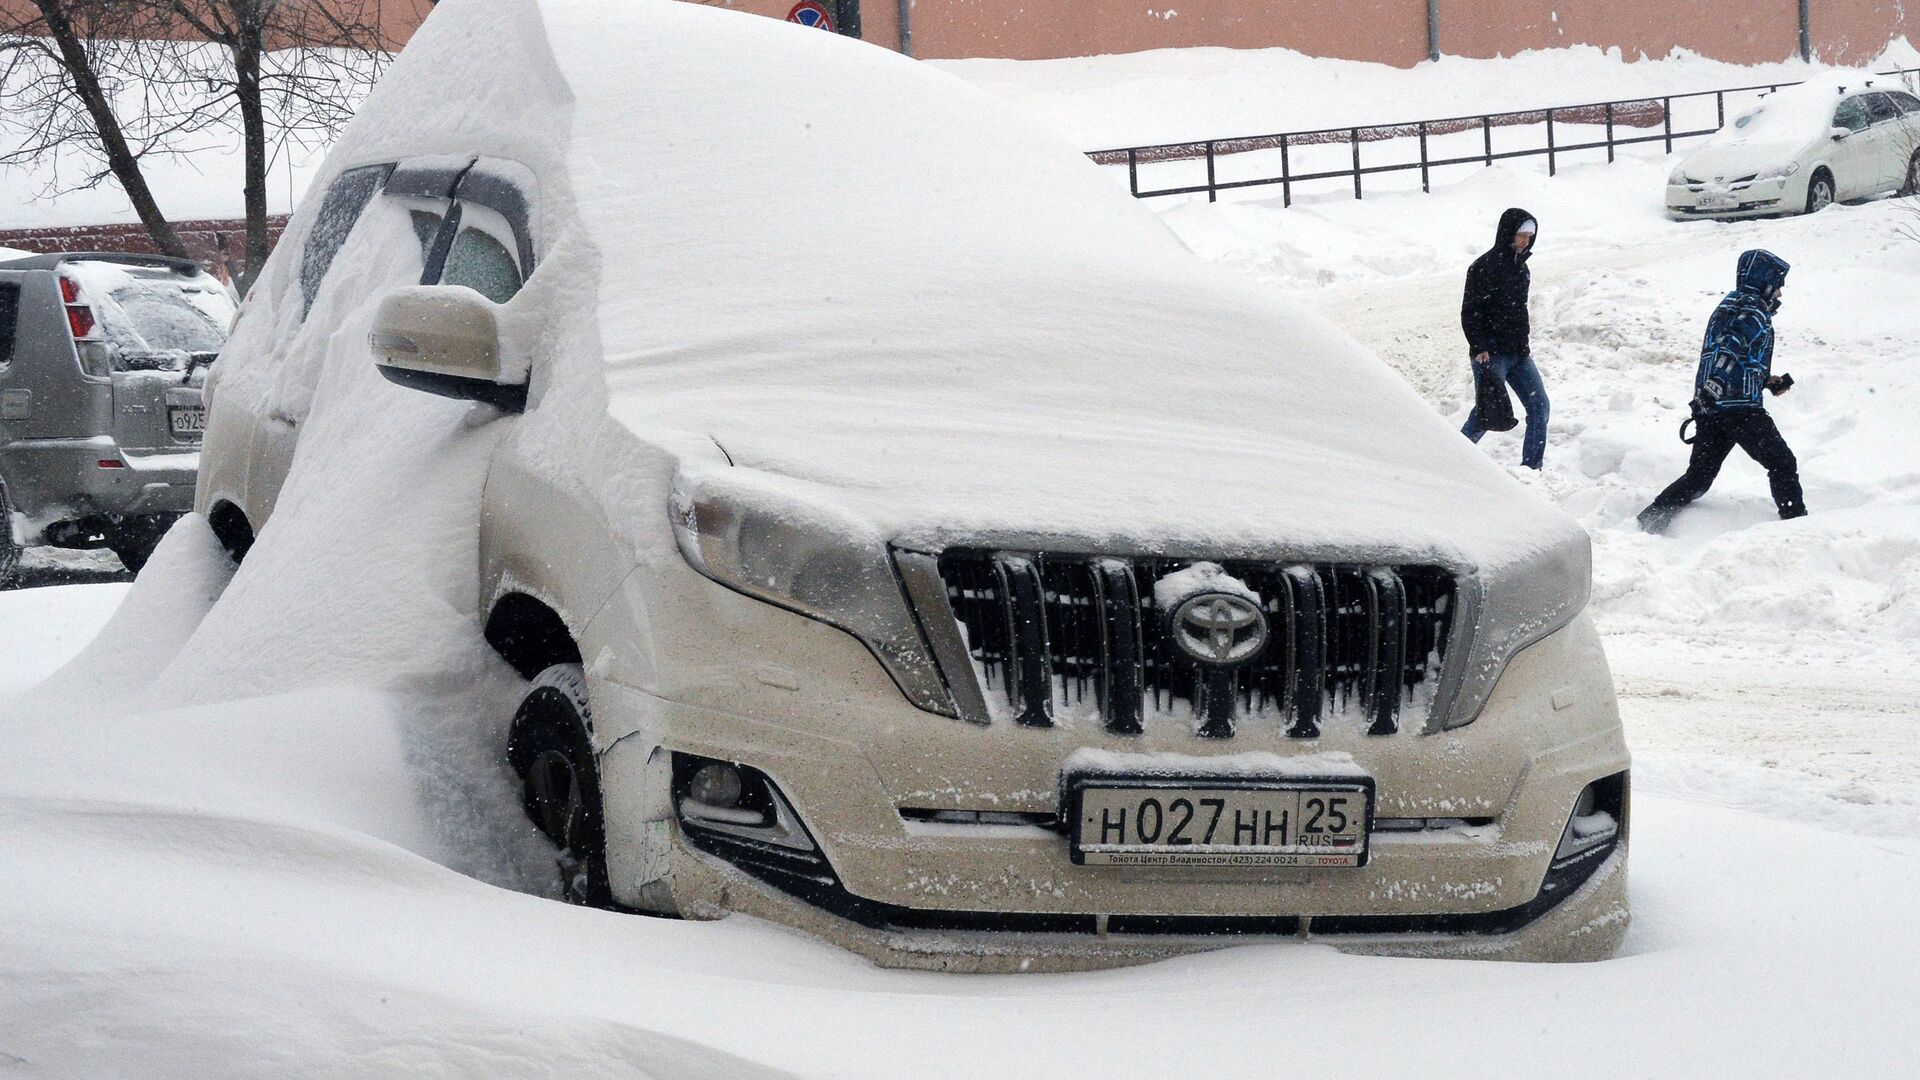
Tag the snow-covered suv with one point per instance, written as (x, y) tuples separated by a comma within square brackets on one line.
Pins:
[(101, 360), (901, 534)]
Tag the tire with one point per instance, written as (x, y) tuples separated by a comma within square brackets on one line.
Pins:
[(1820, 192), (1912, 186), (133, 539), (9, 551), (551, 751)]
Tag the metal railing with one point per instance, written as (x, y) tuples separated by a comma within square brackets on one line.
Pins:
[(1634, 114)]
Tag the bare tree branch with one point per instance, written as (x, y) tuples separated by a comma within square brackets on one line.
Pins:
[(115, 84)]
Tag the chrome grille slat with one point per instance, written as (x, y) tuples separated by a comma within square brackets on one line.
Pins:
[(1120, 635), (1390, 650), (1024, 609), (1309, 650), (1057, 635)]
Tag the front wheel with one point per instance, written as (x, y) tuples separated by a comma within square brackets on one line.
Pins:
[(1819, 193), (552, 754)]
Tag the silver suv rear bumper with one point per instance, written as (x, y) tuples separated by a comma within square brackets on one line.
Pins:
[(55, 480)]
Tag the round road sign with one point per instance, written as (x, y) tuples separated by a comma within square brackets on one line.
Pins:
[(811, 13)]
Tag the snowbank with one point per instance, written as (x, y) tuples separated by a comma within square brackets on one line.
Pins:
[(227, 829), (1175, 95)]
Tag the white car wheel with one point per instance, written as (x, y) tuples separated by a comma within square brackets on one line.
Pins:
[(1819, 193)]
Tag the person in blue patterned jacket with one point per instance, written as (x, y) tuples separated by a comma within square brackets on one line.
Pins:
[(1736, 367)]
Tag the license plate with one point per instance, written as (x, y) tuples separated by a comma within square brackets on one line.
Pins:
[(1717, 202), (187, 421), (1204, 822)]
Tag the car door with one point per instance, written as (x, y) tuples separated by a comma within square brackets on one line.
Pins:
[(371, 233), (1907, 135), (1888, 142), (1856, 169)]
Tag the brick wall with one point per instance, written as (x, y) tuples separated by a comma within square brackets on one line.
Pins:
[(217, 244)]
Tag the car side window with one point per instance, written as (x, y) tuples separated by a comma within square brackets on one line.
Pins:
[(483, 264), (1852, 115), (426, 225), (1880, 107), (345, 199), (481, 253), (1907, 102)]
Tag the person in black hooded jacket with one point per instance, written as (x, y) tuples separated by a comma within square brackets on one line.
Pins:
[(1493, 313)]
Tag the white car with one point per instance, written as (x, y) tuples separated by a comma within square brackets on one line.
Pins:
[(900, 534), (1836, 138)]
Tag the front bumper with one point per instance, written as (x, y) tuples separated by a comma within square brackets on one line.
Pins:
[(55, 480), (1757, 198), (1009, 897), (1587, 926)]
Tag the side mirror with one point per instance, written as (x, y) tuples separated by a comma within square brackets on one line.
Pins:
[(443, 339), (1840, 133)]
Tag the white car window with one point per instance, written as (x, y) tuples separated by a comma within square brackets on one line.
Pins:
[(1881, 107), (1852, 115), (1907, 102)]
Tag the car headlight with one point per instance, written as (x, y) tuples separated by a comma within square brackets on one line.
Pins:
[(1780, 172), (1506, 608), (768, 543), (1678, 175)]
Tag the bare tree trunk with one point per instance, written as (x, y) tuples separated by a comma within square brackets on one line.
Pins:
[(253, 129), (120, 158)]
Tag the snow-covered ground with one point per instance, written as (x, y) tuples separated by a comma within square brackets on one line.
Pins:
[(323, 882)]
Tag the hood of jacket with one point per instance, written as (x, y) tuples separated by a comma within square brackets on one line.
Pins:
[(1760, 270), (1510, 223)]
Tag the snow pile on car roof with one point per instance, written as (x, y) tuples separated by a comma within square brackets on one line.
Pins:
[(885, 286), (1793, 116)]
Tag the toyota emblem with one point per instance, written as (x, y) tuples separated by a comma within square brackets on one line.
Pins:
[(1220, 628)]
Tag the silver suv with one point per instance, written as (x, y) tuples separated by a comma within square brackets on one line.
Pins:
[(101, 361)]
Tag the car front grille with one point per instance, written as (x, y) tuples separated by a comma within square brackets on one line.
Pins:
[(1060, 638)]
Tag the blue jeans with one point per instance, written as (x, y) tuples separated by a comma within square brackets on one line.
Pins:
[(1519, 373)]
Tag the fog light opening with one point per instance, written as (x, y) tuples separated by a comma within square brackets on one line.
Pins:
[(736, 800), (1595, 821)]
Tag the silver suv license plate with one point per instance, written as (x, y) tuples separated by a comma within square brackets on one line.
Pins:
[(187, 421), (1118, 821)]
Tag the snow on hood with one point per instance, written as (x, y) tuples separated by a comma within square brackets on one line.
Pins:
[(887, 290)]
